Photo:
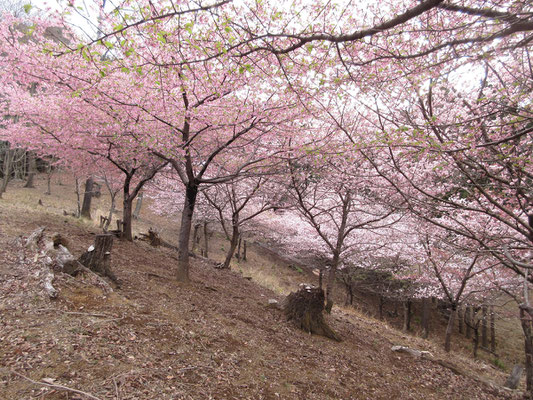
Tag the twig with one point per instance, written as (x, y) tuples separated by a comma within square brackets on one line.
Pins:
[(54, 386), (75, 313), (116, 389)]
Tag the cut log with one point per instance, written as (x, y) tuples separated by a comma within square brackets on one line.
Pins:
[(98, 257), (305, 307)]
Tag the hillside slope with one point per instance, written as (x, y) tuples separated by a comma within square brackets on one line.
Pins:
[(214, 339)]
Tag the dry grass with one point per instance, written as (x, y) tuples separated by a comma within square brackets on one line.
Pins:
[(214, 339)]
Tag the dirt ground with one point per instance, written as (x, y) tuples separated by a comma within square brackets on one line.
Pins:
[(216, 338)]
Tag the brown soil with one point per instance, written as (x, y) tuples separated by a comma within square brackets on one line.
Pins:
[(216, 338)]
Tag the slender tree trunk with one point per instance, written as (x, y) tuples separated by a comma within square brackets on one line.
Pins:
[(380, 307), (232, 246), (87, 198), (78, 197), (460, 319), (484, 324), (111, 211), (8, 159), (349, 294), (331, 283), (49, 172), (492, 330), (238, 254), (195, 237), (526, 321), (244, 250), (407, 315), (138, 206), (449, 329), (32, 168), (426, 312), (191, 191), (476, 339), (468, 321), (206, 240), (127, 219)]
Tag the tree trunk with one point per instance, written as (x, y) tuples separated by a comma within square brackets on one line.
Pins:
[(195, 237), (349, 294), (238, 254), (475, 339), (49, 180), (8, 159), (78, 197), (449, 329), (244, 251), (87, 198), (484, 324), (32, 168), (407, 315), (206, 240), (380, 307), (138, 206), (492, 331), (329, 288), (426, 312), (460, 319), (468, 321), (330, 284), (526, 321), (111, 211), (182, 274), (127, 218), (232, 246)]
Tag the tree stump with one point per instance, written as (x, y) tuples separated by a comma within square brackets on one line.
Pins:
[(98, 257), (305, 308), (514, 378)]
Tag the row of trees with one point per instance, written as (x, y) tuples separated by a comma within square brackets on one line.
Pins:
[(393, 132)]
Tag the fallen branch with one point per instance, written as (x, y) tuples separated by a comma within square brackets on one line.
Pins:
[(76, 313), (54, 386)]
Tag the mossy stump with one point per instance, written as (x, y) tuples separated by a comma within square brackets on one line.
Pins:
[(305, 308)]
